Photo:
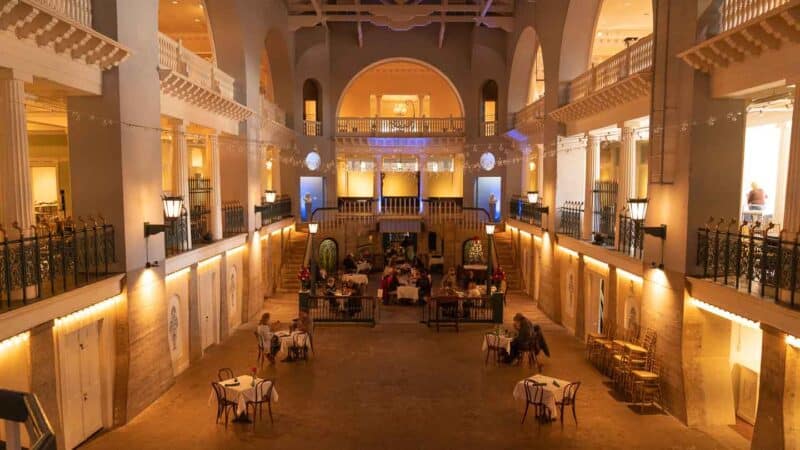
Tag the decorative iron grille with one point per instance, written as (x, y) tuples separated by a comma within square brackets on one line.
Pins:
[(233, 220), (200, 192), (570, 219), (605, 211)]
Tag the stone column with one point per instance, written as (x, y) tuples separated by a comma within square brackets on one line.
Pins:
[(422, 160), (625, 179), (16, 203), (180, 170), (592, 166), (378, 179), (769, 428), (216, 186), (791, 215)]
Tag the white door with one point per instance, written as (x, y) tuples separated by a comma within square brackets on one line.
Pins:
[(80, 384), (205, 296)]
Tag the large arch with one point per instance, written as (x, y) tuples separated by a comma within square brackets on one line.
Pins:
[(521, 69), (576, 41), (279, 63), (376, 64)]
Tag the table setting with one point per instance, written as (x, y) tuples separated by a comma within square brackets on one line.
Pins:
[(553, 391), (242, 389)]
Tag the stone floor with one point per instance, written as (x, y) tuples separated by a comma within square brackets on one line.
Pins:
[(401, 385)]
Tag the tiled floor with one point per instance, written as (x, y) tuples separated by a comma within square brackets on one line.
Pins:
[(401, 385)]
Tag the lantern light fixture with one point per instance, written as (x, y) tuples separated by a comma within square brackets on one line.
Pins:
[(269, 196), (313, 227), (533, 197), (490, 229), (637, 208)]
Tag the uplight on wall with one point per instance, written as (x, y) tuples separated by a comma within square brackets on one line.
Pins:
[(87, 312), (725, 314), (269, 196), (268, 164), (14, 341), (793, 341)]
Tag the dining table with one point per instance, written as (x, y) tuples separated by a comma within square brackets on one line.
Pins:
[(553, 391), (242, 389), (498, 340), (287, 339), (407, 292), (357, 278)]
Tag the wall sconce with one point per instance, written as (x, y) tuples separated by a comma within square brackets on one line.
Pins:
[(637, 207), (531, 166), (659, 231), (313, 227), (268, 164), (269, 196), (490, 229), (173, 208), (533, 197)]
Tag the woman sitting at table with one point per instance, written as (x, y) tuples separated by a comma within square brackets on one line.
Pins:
[(267, 337), (523, 339), (449, 280)]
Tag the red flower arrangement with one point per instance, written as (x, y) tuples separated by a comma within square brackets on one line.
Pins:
[(304, 274), (498, 275)]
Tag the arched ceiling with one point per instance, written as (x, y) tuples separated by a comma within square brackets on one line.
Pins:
[(187, 20), (620, 19)]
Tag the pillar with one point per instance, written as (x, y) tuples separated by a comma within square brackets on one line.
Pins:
[(180, 170), (768, 430), (592, 166), (625, 179), (379, 178), (216, 186), (791, 215), (16, 203), (422, 160)]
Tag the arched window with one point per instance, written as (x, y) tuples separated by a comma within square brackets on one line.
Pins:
[(489, 108), (536, 88), (312, 108)]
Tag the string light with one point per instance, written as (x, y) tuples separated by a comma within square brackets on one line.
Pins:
[(725, 314), (89, 311)]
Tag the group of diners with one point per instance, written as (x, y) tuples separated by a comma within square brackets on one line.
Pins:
[(294, 342), (405, 281)]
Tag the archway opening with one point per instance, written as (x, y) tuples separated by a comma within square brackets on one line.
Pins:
[(619, 24), (489, 108), (312, 108)]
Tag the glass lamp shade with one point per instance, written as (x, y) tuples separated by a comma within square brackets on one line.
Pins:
[(489, 229), (313, 227), (172, 206), (269, 196), (637, 208), (533, 197)]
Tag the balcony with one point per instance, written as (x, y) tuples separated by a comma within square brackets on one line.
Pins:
[(621, 79), (570, 219), (53, 258), (530, 119), (747, 29), (524, 211), (399, 127), (754, 259), (197, 81), (273, 124), (276, 211)]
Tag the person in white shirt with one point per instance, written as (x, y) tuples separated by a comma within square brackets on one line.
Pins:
[(267, 336)]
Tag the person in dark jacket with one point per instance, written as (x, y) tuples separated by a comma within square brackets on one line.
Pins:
[(524, 337), (349, 264)]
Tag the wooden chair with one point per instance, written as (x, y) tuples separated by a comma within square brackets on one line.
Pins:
[(492, 347), (223, 404), (647, 385), (224, 374), (534, 393), (568, 399), (299, 347), (263, 394), (262, 352), (530, 352)]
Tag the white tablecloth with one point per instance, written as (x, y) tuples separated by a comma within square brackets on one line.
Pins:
[(551, 395), (436, 260), (498, 341), (408, 292), (287, 340), (363, 266), (244, 392), (475, 267), (357, 278)]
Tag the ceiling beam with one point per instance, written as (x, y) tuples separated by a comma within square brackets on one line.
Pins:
[(358, 25), (443, 24)]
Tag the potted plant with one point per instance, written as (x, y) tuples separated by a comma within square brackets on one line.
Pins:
[(305, 278)]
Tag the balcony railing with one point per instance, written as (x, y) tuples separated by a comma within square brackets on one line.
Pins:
[(489, 128), (530, 113), (280, 209), (604, 211), (738, 12), (634, 59), (200, 209), (400, 206), (176, 236), (631, 236), (520, 209), (23, 408), (752, 258), (53, 258), (570, 221), (312, 128), (233, 219), (78, 10), (173, 55), (385, 126)]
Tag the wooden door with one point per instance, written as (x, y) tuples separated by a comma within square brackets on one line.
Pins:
[(205, 295), (90, 379), (81, 392)]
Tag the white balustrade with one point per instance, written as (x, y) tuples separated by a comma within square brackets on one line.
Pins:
[(738, 12), (529, 113), (400, 126), (172, 55), (77, 10)]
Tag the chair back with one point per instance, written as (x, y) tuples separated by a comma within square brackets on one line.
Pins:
[(219, 392), (570, 392), (609, 329), (300, 339), (259, 340), (534, 392), (224, 374), (263, 390)]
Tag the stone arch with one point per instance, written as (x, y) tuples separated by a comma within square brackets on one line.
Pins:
[(278, 59), (375, 64), (521, 68)]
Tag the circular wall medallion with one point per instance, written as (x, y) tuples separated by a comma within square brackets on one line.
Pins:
[(313, 161), (487, 161)]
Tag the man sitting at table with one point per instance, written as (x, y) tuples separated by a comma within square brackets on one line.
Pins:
[(424, 286), (523, 339), (350, 264)]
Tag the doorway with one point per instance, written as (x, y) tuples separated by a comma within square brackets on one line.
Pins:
[(208, 317), (81, 393), (488, 195), (312, 196)]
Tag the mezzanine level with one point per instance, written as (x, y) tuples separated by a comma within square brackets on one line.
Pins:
[(400, 126)]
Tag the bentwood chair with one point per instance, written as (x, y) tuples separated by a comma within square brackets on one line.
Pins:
[(492, 348), (223, 403), (262, 352), (224, 374), (299, 347), (647, 385), (530, 353), (568, 399), (534, 395), (263, 394)]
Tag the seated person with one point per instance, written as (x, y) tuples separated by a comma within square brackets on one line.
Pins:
[(473, 291), (330, 292), (469, 277), (303, 323), (267, 337), (349, 264), (524, 338), (424, 286), (449, 280)]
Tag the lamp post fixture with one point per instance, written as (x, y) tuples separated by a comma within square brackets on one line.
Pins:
[(173, 208), (489, 267), (637, 208), (533, 197), (269, 196)]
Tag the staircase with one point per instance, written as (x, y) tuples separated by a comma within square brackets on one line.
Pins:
[(295, 253), (505, 257)]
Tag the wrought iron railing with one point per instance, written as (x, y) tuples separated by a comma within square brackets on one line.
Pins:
[(20, 408), (570, 219), (604, 211), (335, 309), (447, 310), (233, 219), (53, 258), (200, 209), (520, 209), (400, 126), (753, 258), (280, 209), (312, 128), (176, 235), (631, 236)]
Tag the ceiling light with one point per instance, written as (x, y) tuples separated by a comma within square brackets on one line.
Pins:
[(174, 2), (196, 19)]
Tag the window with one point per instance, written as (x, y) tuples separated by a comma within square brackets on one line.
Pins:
[(312, 109), (489, 108)]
